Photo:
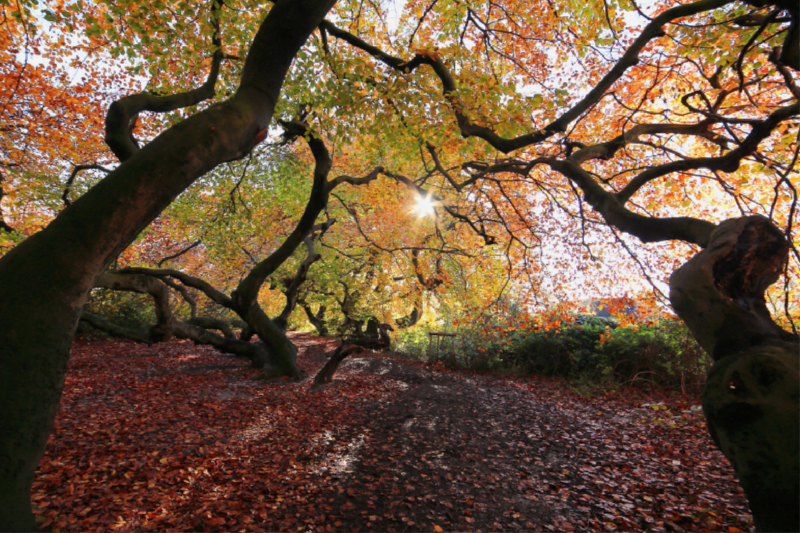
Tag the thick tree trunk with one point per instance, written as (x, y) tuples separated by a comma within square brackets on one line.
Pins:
[(752, 394), (47, 278), (247, 332)]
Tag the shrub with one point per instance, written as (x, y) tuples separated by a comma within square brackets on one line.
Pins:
[(128, 309), (585, 348), (664, 354)]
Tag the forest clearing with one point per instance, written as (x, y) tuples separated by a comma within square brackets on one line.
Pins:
[(178, 437)]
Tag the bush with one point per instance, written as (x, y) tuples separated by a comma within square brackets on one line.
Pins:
[(585, 348), (128, 309), (664, 354)]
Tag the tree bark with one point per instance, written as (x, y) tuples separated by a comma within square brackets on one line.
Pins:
[(46, 278), (325, 374), (383, 342), (213, 323), (752, 392)]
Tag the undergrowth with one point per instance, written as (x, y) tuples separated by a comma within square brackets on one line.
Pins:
[(588, 351)]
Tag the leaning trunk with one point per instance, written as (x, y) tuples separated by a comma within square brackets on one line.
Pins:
[(47, 278), (325, 374), (752, 392)]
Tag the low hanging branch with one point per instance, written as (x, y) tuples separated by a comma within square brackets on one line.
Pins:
[(167, 325), (71, 180), (383, 342)]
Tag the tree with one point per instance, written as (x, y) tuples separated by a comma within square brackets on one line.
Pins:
[(62, 261), (653, 125)]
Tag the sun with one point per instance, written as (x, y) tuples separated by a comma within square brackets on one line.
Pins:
[(425, 206)]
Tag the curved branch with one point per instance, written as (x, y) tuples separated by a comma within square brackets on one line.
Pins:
[(196, 243), (726, 163), (372, 176), (648, 229), (213, 323), (123, 113), (74, 174), (630, 58), (185, 293), (246, 293), (186, 279), (607, 150), (293, 288), (315, 319), (162, 330)]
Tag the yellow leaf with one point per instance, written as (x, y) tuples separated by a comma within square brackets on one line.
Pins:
[(437, 529)]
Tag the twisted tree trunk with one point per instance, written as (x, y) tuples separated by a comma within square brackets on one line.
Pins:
[(47, 278), (752, 392)]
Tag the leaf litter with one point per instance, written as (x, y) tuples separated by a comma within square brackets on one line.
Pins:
[(177, 437)]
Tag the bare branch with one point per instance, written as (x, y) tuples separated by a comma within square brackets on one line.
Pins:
[(180, 253), (74, 174)]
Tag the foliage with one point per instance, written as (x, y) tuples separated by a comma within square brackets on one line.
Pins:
[(581, 348), (127, 309), (181, 439), (663, 354)]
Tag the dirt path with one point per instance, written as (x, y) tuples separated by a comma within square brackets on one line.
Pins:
[(472, 452), (178, 437)]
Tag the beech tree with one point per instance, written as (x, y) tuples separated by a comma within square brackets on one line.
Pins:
[(678, 127)]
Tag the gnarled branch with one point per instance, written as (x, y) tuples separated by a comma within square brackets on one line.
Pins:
[(652, 31), (123, 113)]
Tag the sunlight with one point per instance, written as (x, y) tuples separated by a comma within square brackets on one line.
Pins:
[(425, 206)]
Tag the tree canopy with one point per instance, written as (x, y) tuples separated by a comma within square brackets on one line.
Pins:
[(520, 120)]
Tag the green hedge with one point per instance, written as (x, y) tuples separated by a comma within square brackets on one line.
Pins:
[(664, 354), (586, 348)]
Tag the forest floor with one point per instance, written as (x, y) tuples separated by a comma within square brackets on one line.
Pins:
[(176, 437)]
